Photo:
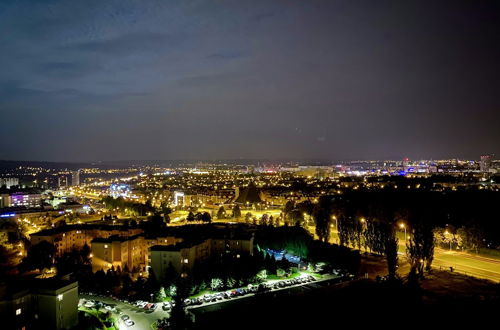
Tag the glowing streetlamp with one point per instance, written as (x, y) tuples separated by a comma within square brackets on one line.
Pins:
[(446, 234), (336, 225), (402, 226)]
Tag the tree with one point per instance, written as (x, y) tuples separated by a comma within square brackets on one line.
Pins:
[(420, 248), (471, 237), (236, 211), (206, 217), (40, 256), (284, 264), (160, 295), (190, 217), (289, 206), (166, 218), (170, 276), (306, 207), (391, 250), (178, 317), (165, 209), (248, 218), (264, 219), (221, 213), (321, 216), (296, 217)]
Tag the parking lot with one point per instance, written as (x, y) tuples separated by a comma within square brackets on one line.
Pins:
[(130, 316), (252, 289), (142, 314)]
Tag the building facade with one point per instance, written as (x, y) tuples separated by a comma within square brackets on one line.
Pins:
[(9, 182), (67, 238), (185, 255), (40, 304)]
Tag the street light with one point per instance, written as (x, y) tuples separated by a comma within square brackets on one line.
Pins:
[(448, 233), (402, 226), (336, 225)]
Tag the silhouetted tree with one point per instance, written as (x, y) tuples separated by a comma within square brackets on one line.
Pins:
[(40, 256), (206, 217), (236, 211), (221, 213)]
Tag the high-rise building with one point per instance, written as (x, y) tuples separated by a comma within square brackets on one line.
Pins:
[(25, 199), (485, 164), (75, 178), (406, 164), (62, 182)]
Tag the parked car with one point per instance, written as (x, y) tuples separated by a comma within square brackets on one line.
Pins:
[(129, 323), (124, 317), (89, 304)]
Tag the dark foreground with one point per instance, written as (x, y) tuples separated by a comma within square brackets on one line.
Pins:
[(442, 299)]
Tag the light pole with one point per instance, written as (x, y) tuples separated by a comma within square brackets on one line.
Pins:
[(402, 226), (360, 233), (448, 233), (336, 227)]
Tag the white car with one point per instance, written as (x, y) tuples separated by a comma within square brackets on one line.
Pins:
[(129, 323), (89, 304)]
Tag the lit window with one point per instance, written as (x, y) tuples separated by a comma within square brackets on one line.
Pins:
[(185, 261), (59, 297), (18, 311), (105, 246)]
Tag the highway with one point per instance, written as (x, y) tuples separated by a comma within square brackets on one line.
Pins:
[(462, 262), (469, 264)]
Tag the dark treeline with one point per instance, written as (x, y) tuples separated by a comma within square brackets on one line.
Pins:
[(370, 219), (132, 207), (296, 240), (470, 208)]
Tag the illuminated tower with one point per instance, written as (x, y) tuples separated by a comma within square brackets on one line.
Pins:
[(75, 178), (485, 164)]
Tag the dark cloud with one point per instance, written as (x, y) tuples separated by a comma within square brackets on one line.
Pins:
[(124, 79), (123, 45)]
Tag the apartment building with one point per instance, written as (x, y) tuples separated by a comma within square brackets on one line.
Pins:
[(185, 255), (126, 253), (39, 304), (70, 237)]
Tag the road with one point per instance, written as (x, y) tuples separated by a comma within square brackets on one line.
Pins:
[(469, 264), (462, 262)]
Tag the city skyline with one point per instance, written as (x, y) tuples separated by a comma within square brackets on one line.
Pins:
[(176, 80)]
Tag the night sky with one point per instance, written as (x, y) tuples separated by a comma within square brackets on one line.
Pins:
[(129, 80)]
